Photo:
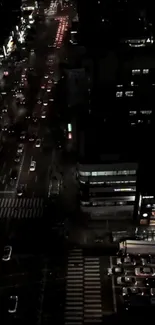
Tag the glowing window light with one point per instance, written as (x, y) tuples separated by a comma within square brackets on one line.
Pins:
[(69, 127), (69, 136)]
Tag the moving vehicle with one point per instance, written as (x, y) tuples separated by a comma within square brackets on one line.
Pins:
[(17, 158), (20, 148), (38, 143), (126, 280), (145, 271), (13, 303), (115, 271), (33, 166), (125, 260), (132, 290), (7, 253), (14, 174), (43, 114), (23, 135)]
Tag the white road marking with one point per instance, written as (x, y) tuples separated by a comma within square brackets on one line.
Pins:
[(4, 178), (36, 178), (113, 288), (6, 186)]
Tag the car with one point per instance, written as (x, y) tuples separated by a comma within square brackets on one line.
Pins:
[(23, 135), (126, 280), (20, 148), (32, 137), (33, 166), (38, 143), (115, 270), (20, 190), (7, 253), (4, 110), (133, 290), (43, 114), (5, 127), (14, 174), (17, 158), (149, 282), (13, 303), (144, 271), (46, 76), (125, 260)]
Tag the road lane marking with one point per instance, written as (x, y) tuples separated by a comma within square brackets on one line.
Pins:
[(36, 178), (20, 170), (4, 178), (113, 288), (6, 186)]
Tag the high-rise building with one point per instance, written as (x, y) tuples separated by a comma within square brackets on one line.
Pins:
[(119, 38)]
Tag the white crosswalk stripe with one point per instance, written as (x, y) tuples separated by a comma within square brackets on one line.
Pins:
[(83, 289), (92, 291), (21, 208), (74, 288)]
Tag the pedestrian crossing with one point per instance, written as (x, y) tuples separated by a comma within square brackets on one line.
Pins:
[(19, 208), (92, 291), (83, 290)]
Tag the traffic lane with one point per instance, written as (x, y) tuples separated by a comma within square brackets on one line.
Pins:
[(6, 164), (27, 304), (21, 263), (38, 183), (25, 172), (20, 279)]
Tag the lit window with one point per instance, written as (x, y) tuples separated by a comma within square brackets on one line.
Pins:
[(124, 189), (129, 93), (135, 71), (95, 174), (145, 71), (133, 112), (119, 86), (119, 93), (84, 173), (146, 112), (132, 83)]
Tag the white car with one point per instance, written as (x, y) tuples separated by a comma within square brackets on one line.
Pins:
[(144, 271), (13, 303), (20, 148), (43, 114), (38, 143), (33, 166), (126, 280), (7, 253), (132, 291)]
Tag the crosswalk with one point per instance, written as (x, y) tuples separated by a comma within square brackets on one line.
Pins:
[(92, 291), (83, 290), (21, 208)]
